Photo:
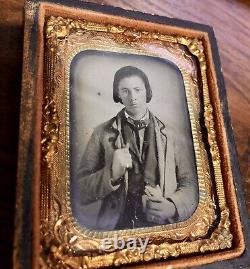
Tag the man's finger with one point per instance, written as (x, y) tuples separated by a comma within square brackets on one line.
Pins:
[(153, 205), (150, 193), (156, 198), (127, 159), (127, 163), (127, 154), (155, 213), (125, 150), (153, 191), (147, 192), (155, 219)]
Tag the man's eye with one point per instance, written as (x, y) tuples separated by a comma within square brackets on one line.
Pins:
[(137, 89), (124, 91)]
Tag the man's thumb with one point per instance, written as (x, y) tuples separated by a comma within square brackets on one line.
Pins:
[(127, 145), (158, 187)]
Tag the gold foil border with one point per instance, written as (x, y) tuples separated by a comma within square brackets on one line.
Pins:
[(59, 233)]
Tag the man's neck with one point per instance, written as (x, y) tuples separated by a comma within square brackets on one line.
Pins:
[(139, 116)]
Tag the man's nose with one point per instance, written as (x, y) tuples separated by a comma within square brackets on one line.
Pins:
[(132, 95)]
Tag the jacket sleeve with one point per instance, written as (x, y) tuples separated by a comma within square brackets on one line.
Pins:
[(94, 173), (185, 198)]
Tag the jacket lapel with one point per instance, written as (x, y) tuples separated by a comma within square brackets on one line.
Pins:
[(161, 144), (116, 125), (120, 143)]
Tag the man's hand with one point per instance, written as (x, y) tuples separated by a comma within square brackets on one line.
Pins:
[(121, 162), (158, 209)]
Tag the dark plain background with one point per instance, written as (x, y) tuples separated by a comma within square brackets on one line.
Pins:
[(231, 22)]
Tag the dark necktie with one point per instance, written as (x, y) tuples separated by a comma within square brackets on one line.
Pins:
[(138, 125)]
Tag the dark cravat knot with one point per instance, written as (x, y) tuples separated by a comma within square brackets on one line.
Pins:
[(138, 124)]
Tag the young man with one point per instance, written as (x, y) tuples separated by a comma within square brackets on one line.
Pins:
[(137, 167)]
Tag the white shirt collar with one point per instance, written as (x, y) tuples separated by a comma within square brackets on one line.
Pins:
[(144, 117)]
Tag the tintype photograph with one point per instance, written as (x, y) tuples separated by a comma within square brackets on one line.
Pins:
[(132, 160)]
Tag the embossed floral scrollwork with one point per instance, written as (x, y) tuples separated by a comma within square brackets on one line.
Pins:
[(63, 243), (60, 246), (57, 29), (208, 114), (152, 252), (201, 228), (195, 46), (221, 237), (50, 130)]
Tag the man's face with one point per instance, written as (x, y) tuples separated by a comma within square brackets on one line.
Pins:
[(133, 94)]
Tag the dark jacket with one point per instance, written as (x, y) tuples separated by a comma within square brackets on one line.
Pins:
[(177, 174)]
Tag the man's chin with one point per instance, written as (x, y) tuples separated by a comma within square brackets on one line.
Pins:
[(135, 111)]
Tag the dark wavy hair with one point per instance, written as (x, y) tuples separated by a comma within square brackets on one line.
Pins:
[(129, 71)]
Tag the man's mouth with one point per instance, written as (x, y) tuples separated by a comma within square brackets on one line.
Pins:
[(133, 104)]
